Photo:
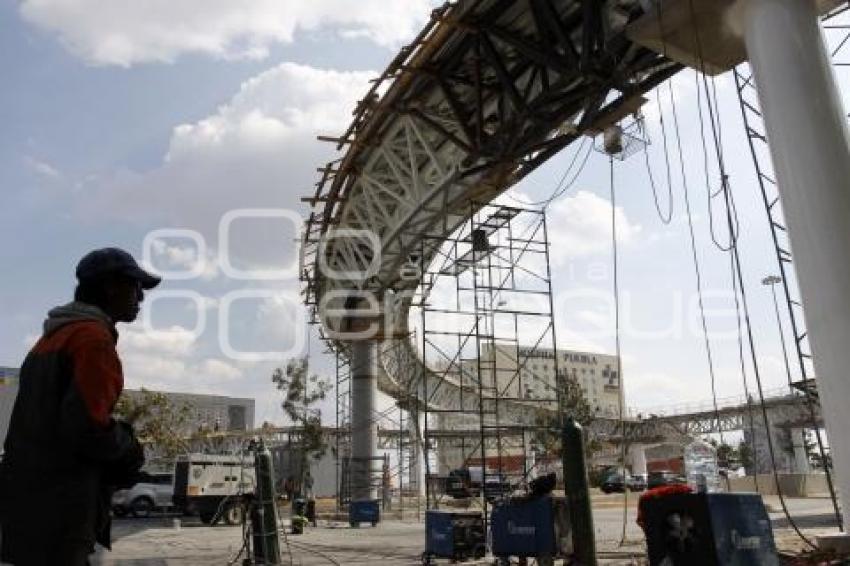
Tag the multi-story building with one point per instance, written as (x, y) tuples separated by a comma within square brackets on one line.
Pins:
[(529, 373), (210, 412)]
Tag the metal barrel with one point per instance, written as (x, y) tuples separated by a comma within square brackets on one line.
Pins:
[(264, 527), (577, 492)]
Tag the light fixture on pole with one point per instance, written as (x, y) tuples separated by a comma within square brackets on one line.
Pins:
[(771, 281)]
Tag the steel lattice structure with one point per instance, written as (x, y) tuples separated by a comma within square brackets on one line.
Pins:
[(488, 91)]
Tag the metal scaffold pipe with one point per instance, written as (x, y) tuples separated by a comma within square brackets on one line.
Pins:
[(808, 138)]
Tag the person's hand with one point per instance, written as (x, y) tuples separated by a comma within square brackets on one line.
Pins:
[(124, 472), (135, 456)]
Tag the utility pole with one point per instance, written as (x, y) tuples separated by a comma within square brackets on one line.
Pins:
[(771, 281)]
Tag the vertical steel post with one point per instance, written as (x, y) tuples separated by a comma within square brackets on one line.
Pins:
[(806, 128), (577, 492), (364, 427), (338, 462), (264, 510)]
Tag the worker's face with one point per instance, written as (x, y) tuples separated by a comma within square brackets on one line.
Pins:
[(125, 295)]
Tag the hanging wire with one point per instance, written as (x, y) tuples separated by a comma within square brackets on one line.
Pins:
[(757, 373), (734, 229), (733, 235), (697, 271), (668, 217), (616, 289), (558, 193), (732, 226), (789, 301), (744, 371), (659, 8), (561, 187)]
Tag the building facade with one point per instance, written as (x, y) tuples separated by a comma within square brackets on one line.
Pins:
[(210, 412), (529, 373)]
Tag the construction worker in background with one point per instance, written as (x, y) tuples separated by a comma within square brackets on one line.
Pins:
[(64, 453)]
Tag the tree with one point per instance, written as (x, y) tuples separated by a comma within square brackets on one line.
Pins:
[(300, 392), (745, 455), (727, 456), (160, 424), (572, 404), (573, 401)]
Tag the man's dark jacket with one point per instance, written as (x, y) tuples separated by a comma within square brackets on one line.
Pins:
[(64, 453)]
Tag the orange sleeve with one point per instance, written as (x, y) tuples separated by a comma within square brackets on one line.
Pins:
[(98, 376)]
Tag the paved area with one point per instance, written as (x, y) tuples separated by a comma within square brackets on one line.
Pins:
[(159, 542)]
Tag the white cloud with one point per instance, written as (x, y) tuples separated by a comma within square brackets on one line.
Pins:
[(174, 340), (168, 359), (126, 32), (42, 168), (259, 150), (219, 369), (580, 225)]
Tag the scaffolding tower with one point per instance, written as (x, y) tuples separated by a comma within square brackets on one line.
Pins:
[(485, 319), (342, 427)]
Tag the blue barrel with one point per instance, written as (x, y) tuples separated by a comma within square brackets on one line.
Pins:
[(456, 535), (526, 528), (439, 534), (364, 511)]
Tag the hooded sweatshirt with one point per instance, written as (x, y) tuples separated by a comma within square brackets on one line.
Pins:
[(62, 441)]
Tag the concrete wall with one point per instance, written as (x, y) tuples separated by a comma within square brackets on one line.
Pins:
[(323, 470), (793, 485)]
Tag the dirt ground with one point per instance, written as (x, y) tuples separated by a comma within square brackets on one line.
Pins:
[(179, 541)]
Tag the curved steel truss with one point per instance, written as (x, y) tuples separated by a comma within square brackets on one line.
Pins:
[(488, 91)]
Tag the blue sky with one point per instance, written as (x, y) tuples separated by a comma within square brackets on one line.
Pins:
[(122, 121)]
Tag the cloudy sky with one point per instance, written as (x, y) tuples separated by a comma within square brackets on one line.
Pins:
[(145, 125)]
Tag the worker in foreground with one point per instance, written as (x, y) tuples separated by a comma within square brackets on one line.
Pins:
[(64, 453)]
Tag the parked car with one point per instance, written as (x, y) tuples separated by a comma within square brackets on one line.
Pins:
[(153, 492), (614, 483), (496, 487), (467, 482), (664, 477)]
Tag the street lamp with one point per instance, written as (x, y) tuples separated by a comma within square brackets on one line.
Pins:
[(771, 281)]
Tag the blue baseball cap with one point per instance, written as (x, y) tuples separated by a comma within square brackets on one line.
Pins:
[(104, 261)]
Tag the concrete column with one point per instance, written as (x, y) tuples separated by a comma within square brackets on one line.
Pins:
[(365, 467), (801, 457), (637, 458), (807, 131)]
